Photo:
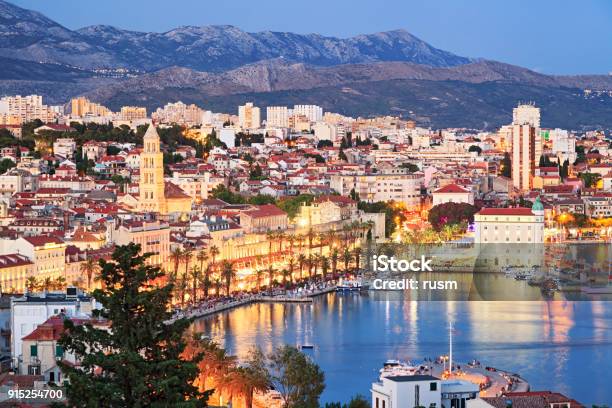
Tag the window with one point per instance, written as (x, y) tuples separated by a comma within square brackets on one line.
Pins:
[(433, 386), (34, 350), (417, 396), (59, 351)]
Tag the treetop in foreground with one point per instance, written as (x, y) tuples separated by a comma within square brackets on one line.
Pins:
[(140, 360)]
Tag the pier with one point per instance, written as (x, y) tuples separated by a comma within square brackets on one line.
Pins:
[(493, 381)]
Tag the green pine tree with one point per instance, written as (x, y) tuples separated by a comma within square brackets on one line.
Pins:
[(139, 361)]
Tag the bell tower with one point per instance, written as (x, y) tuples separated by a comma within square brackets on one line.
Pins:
[(151, 186)]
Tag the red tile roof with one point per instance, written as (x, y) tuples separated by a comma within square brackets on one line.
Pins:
[(337, 199), (53, 328), (267, 210), (452, 189), (41, 240)]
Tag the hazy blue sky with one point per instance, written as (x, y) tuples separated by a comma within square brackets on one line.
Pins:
[(551, 36)]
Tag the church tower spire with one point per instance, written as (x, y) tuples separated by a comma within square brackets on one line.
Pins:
[(151, 186)]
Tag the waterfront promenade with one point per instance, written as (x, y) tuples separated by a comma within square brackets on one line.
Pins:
[(300, 295)]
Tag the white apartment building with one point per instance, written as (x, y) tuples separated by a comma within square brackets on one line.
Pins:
[(27, 108), (314, 113), (197, 186), (452, 193), (29, 311), (326, 131), (249, 116), (526, 114), (407, 391), (129, 113), (277, 116), (17, 180), (228, 136), (598, 207), (179, 113), (412, 391), (399, 187), (510, 225), (64, 147), (526, 152), (563, 144)]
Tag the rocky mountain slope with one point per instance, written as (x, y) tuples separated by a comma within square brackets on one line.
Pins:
[(29, 35)]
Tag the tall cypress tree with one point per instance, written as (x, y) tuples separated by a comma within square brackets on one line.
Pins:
[(139, 360)]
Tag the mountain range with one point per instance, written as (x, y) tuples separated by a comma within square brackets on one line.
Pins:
[(218, 67)]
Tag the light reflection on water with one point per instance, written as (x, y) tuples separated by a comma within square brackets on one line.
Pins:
[(558, 345)]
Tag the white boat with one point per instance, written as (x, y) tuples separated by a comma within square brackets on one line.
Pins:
[(394, 368), (349, 285)]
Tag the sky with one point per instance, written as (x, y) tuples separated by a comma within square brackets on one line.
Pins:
[(548, 36)]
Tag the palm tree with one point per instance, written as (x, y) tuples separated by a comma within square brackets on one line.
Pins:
[(280, 236), (218, 285), (290, 268), (258, 275), (206, 281), (301, 261), (322, 237), (346, 234), (31, 284), (245, 380), (229, 273), (291, 239), (324, 261), (357, 255), (181, 286), (334, 262), (187, 255), (346, 258), (300, 240), (215, 362), (285, 274), (310, 237), (213, 251), (176, 255), (89, 268), (202, 257), (196, 274), (59, 283), (271, 273), (46, 284), (314, 262), (331, 237), (271, 237)]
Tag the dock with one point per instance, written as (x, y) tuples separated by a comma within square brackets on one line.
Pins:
[(285, 299)]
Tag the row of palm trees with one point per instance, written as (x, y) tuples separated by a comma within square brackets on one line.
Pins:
[(47, 284), (308, 267), (196, 273), (347, 236)]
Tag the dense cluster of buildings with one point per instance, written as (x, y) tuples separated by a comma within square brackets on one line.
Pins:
[(525, 182)]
